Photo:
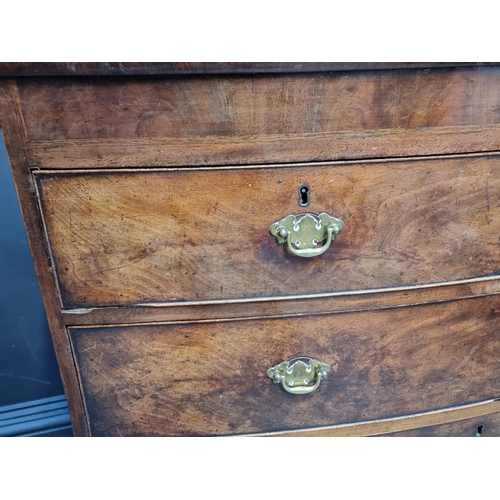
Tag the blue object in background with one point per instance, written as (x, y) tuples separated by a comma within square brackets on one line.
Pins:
[(29, 373)]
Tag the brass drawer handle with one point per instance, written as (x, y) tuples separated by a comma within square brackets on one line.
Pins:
[(300, 375), (304, 232)]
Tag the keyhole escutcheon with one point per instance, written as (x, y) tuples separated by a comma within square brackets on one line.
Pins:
[(304, 195)]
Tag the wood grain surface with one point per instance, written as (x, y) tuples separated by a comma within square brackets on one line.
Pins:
[(462, 420), (260, 149), (167, 297), (13, 132), (228, 120), (164, 236), (287, 306), (210, 379), (482, 426)]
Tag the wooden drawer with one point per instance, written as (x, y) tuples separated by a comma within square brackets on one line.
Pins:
[(483, 426), (151, 236), (210, 378), (250, 119), (148, 202)]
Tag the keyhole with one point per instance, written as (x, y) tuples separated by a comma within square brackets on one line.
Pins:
[(304, 195), (480, 431)]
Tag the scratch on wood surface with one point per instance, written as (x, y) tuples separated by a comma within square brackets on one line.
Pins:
[(130, 313), (468, 357), (486, 193), (91, 348), (411, 260), (451, 419), (144, 253)]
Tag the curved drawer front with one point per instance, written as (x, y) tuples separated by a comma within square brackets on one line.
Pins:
[(121, 238), (210, 378), (485, 426)]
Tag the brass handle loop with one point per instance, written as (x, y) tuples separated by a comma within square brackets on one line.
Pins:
[(307, 235), (301, 375)]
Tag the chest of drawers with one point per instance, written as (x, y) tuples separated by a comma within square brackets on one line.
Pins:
[(265, 249)]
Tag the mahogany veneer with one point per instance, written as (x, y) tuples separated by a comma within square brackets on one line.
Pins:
[(148, 191)]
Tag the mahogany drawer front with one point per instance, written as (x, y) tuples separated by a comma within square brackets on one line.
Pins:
[(210, 378), (484, 426), (148, 203), (226, 120), (120, 238)]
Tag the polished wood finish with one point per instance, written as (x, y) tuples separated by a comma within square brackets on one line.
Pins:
[(231, 120), (148, 191), (480, 426), (276, 307), (163, 236), (14, 135), (456, 421), (265, 148), (210, 379)]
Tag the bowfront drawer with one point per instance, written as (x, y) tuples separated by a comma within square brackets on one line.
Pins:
[(218, 378), (306, 253), (484, 426), (129, 237)]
